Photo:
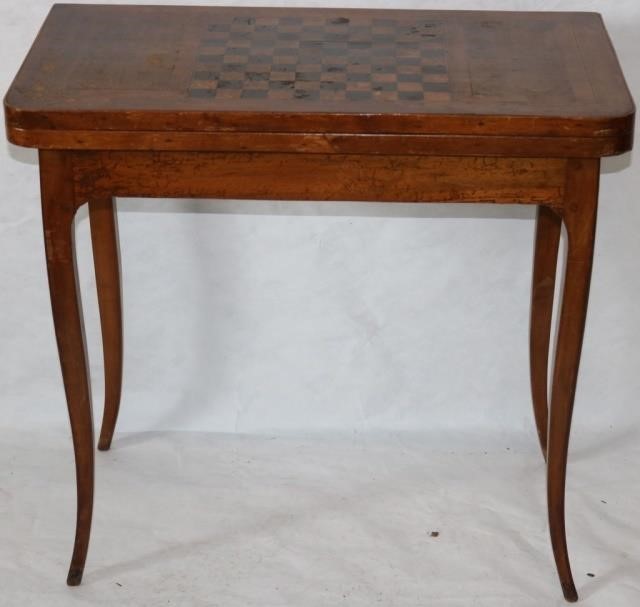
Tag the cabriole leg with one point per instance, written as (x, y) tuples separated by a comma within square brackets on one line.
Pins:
[(58, 210), (579, 216), (106, 258), (545, 262)]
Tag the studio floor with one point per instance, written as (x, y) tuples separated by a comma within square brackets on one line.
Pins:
[(396, 520)]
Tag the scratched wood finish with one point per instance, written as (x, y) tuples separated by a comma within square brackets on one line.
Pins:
[(178, 70), (320, 177), (320, 104)]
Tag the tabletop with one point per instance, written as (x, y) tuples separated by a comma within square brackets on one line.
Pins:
[(178, 68)]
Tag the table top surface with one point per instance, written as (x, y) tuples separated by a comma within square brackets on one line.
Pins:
[(169, 68)]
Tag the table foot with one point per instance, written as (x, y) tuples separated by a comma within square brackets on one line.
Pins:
[(570, 593), (75, 576)]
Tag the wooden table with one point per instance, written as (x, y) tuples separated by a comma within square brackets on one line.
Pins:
[(308, 104)]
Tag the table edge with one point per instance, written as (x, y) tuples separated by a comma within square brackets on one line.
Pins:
[(603, 136)]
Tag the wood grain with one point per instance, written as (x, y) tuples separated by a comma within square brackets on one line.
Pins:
[(320, 177), (579, 217), (106, 258), (320, 104), (153, 69), (328, 143), (545, 262), (58, 210)]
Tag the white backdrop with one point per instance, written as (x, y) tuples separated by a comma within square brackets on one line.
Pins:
[(296, 318), (278, 317)]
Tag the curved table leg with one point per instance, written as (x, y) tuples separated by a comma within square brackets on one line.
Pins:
[(58, 210), (548, 224), (579, 215), (106, 258)]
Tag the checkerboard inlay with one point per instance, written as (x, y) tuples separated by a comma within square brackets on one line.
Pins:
[(314, 58)]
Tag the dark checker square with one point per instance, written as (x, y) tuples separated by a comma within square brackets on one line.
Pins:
[(384, 69), (333, 86), (202, 93), (409, 78), (210, 58), (351, 77), (385, 86), (434, 69), (257, 76), (267, 59), (304, 94), (411, 95), (359, 95), (436, 87), (307, 76), (255, 94), (408, 60)]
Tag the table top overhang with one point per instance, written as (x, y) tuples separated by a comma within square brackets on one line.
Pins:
[(178, 70)]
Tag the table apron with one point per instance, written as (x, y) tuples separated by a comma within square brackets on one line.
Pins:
[(330, 177)]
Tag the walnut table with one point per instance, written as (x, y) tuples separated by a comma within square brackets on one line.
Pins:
[(320, 104)]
